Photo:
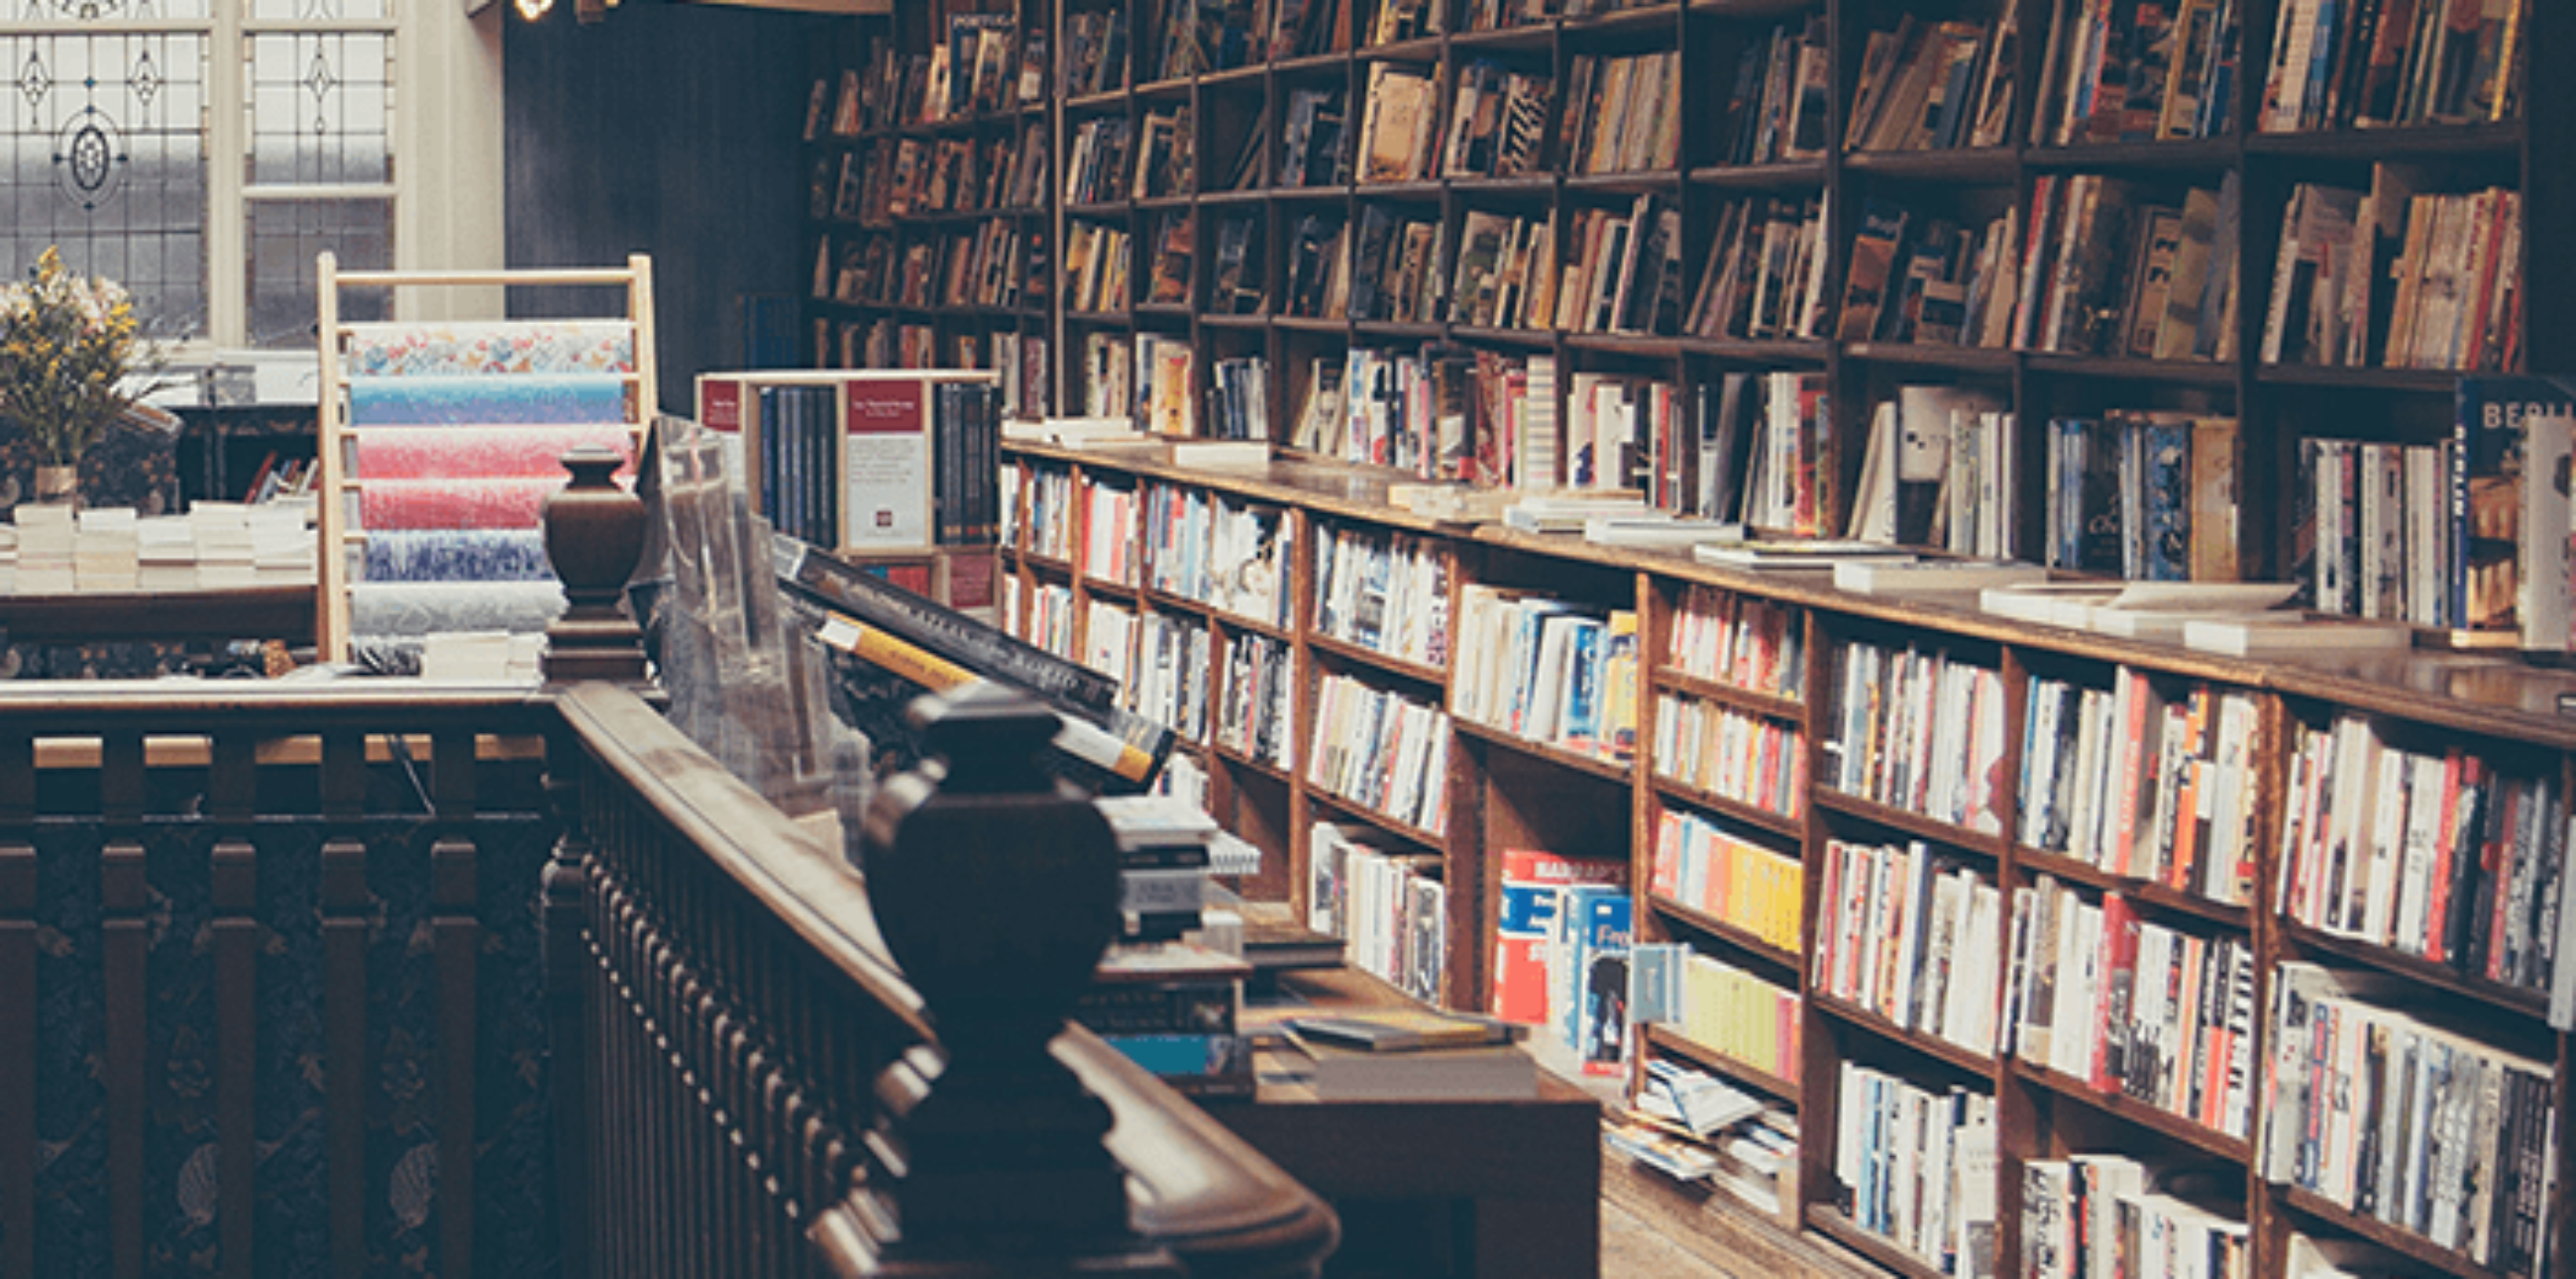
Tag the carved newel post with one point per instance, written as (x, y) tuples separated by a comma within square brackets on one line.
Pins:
[(996, 888), (594, 534)]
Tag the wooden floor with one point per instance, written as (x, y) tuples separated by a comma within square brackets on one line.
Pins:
[(1632, 1249), (1653, 1229)]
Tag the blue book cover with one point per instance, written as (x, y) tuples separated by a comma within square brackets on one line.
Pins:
[(1582, 724), (1603, 920), (2486, 474), (2164, 452)]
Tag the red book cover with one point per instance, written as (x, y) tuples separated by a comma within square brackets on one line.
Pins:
[(885, 464), (2437, 905), (1530, 879), (2130, 764), (720, 404), (2119, 987), (970, 580)]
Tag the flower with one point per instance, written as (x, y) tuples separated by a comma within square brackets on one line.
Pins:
[(67, 344)]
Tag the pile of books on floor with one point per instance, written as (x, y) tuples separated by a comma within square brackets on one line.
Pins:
[(1692, 1126)]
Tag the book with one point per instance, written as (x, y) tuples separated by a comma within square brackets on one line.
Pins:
[(1396, 1030), (1818, 554), (1494, 1073), (2291, 634), (1881, 575)]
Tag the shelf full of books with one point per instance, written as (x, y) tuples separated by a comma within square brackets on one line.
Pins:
[(1390, 233), (2034, 907), (2178, 294)]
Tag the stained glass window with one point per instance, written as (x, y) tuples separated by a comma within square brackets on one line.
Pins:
[(107, 157), (112, 135)]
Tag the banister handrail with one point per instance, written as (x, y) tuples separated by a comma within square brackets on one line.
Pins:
[(779, 861), (1197, 1196)]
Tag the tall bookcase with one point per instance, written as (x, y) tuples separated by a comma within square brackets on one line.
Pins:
[(1234, 120), (1504, 792)]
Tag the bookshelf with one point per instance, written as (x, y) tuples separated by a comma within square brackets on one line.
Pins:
[(1798, 158), (1777, 649)]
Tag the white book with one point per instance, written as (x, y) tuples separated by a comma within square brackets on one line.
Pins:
[(1881, 576), (2288, 634), (2068, 604)]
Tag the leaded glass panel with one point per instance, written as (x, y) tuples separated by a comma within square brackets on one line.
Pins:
[(106, 156), (285, 238)]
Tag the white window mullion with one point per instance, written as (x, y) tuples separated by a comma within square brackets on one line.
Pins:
[(227, 163)]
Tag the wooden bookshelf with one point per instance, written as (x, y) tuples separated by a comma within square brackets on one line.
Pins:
[(1505, 792)]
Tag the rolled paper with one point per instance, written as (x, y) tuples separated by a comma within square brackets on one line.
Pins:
[(488, 347), (411, 452), (418, 608), (458, 555), (470, 401), (420, 504)]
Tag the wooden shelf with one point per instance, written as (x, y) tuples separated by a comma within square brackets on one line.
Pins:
[(1912, 823), (2097, 157), (2208, 1141), (2405, 1242), (1354, 808), (2189, 372), (2154, 895), (1239, 622), (2367, 146), (2524, 1003), (1731, 809), (1606, 770), (1971, 359), (1509, 792), (1241, 760), (1993, 164), (1644, 17), (2363, 379), (1733, 934), (1767, 705), (1534, 37), (1385, 662), (1668, 1040), (1933, 1046), (1788, 175), (1830, 1222)]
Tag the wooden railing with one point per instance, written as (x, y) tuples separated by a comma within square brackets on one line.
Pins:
[(765, 1067), (268, 957), (380, 977), (276, 997)]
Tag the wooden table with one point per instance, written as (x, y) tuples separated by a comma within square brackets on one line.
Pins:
[(1492, 1189)]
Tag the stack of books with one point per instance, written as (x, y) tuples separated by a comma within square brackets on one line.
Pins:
[(1406, 1054), (221, 531), (1172, 1008), (44, 549), (106, 549), (166, 555), (1163, 856)]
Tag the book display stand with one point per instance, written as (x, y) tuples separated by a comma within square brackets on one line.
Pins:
[(439, 445)]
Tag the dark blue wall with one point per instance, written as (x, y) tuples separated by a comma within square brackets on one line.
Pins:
[(668, 129)]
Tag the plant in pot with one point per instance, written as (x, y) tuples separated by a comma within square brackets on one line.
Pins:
[(68, 346)]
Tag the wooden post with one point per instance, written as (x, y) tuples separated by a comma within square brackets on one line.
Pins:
[(594, 535), (996, 888)]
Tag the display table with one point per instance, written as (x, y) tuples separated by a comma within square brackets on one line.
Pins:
[(1491, 1189), (250, 612)]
